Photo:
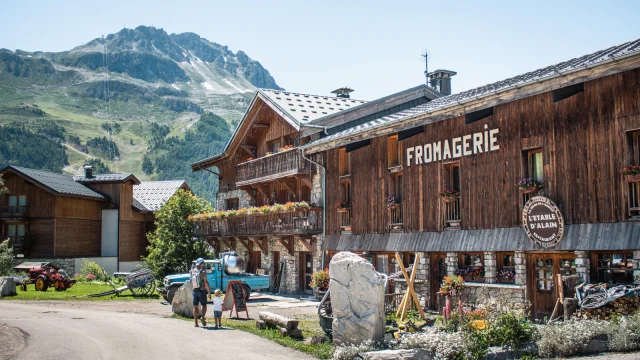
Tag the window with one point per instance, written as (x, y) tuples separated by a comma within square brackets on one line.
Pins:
[(274, 146), (614, 268), (633, 188), (451, 207), (535, 165), (399, 188), (232, 204), (394, 152), (15, 230), (471, 266), (506, 268), (17, 200)]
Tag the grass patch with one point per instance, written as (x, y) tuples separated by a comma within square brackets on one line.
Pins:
[(308, 324), (78, 292)]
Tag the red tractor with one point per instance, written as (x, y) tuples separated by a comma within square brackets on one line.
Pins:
[(50, 275)]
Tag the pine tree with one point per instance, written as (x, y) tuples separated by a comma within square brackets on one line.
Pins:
[(147, 166)]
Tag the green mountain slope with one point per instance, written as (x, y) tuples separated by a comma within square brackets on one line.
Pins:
[(133, 95)]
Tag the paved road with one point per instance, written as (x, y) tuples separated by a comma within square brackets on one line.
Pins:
[(62, 333)]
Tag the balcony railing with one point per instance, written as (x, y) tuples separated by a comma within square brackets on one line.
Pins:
[(298, 221), (267, 168), (344, 219), (451, 214), (396, 223), (13, 212)]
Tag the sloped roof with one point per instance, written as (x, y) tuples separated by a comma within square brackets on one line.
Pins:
[(106, 178), (303, 108), (57, 183), (151, 195), (583, 62)]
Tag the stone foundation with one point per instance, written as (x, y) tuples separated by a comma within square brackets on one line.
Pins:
[(244, 200), (511, 296), (68, 265)]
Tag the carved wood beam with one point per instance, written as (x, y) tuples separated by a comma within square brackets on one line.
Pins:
[(215, 243), (259, 188), (246, 243), (261, 243), (308, 244), (289, 188), (229, 243), (249, 149), (306, 182), (287, 243)]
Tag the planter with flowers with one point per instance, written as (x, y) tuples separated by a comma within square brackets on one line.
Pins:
[(529, 185), (343, 206), (392, 202), (449, 195), (506, 276), (286, 148), (320, 283), (471, 273), (633, 173)]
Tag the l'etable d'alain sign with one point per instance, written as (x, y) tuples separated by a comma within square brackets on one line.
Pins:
[(466, 145), (542, 221)]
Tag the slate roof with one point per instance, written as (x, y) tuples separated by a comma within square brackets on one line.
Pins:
[(585, 61), (303, 108), (151, 195), (58, 183), (105, 178)]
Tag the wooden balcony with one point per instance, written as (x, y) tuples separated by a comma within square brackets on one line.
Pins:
[(396, 222), (451, 214), (13, 212), (283, 164), (344, 219), (294, 222)]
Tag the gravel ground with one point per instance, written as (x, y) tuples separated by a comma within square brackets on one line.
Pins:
[(13, 340)]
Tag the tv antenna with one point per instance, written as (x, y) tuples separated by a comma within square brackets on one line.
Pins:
[(425, 55)]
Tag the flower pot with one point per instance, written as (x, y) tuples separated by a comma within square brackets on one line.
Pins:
[(343, 210), (448, 199), (633, 178), (391, 207), (319, 293), (529, 190)]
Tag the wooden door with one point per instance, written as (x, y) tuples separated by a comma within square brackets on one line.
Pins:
[(275, 277), (306, 270), (438, 272), (256, 261), (544, 269)]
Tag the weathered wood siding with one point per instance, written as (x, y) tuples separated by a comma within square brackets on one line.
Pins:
[(77, 237), (42, 232), (584, 144), (278, 130), (41, 203), (132, 240), (79, 208)]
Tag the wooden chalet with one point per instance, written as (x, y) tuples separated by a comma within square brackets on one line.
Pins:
[(571, 127), (64, 218)]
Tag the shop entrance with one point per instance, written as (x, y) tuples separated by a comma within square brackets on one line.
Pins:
[(438, 272), (306, 270), (543, 271)]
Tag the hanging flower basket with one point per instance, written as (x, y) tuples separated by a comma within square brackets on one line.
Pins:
[(449, 196), (343, 206), (632, 172), (529, 185), (633, 178), (392, 202), (448, 199)]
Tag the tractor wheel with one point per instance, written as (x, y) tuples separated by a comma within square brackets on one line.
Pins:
[(171, 293), (247, 292), (59, 285), (42, 284)]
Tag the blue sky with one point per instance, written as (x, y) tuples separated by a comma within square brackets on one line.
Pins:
[(372, 46)]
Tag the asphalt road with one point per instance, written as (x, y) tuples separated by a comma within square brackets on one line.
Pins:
[(62, 333)]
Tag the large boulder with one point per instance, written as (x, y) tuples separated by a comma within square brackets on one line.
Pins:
[(7, 286), (357, 300), (182, 303)]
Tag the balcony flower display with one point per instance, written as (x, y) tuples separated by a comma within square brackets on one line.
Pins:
[(343, 206), (265, 209), (252, 210), (242, 212), (276, 208), (262, 210), (302, 205), (269, 153), (249, 159), (632, 172), (392, 202), (286, 148), (529, 185), (449, 195), (507, 275), (471, 271), (289, 206)]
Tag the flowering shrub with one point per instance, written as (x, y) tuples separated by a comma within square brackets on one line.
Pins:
[(90, 277), (92, 268), (289, 206), (351, 352), (252, 210), (624, 333), (506, 275), (277, 208), (392, 202), (266, 209), (473, 271), (529, 183), (320, 279), (567, 338), (443, 345), (509, 330), (242, 212), (451, 286), (449, 193), (303, 205), (286, 148), (631, 170), (343, 205)]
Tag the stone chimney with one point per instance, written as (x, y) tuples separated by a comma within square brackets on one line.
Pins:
[(441, 80), (88, 171), (343, 92)]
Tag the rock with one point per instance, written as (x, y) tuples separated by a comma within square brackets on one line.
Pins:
[(182, 303), (357, 300), (318, 339), (7, 286), (412, 354)]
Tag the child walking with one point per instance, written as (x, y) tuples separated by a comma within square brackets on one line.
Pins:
[(218, 308)]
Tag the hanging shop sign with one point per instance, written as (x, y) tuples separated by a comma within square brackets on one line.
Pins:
[(471, 144), (543, 222)]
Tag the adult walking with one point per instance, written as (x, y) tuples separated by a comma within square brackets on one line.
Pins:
[(201, 291)]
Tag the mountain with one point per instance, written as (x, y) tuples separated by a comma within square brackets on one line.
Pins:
[(139, 94)]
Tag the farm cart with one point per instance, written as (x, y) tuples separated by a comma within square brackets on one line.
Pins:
[(44, 275), (140, 283)]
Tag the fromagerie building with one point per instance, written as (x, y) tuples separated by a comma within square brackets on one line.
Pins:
[(508, 184)]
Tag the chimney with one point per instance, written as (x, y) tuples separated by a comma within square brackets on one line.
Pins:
[(343, 92), (441, 80), (88, 171)]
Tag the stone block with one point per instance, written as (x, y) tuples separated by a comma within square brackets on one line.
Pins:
[(7, 286), (182, 303)]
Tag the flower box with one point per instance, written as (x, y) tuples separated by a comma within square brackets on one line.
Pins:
[(633, 178), (343, 210), (529, 190), (449, 199)]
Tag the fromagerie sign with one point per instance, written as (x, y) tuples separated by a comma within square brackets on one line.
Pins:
[(471, 144), (542, 221)]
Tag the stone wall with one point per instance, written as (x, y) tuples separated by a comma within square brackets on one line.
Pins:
[(479, 294), (244, 200), (583, 265), (316, 190), (421, 286), (68, 265), (290, 284), (636, 266)]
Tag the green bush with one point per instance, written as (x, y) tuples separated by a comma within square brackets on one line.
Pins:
[(623, 333), (6, 257), (90, 267), (509, 330), (568, 338)]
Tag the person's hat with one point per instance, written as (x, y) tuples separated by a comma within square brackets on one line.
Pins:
[(199, 261), (217, 292)]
